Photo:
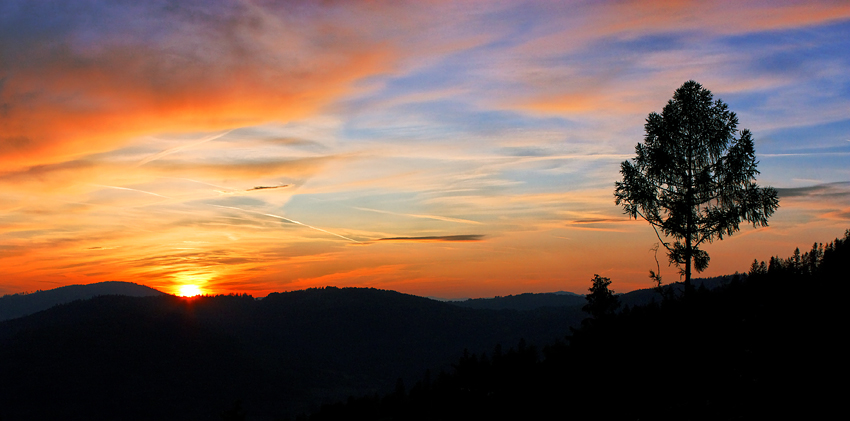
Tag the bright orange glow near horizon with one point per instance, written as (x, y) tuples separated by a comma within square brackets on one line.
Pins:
[(444, 149), (189, 290)]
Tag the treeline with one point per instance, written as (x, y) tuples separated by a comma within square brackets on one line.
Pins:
[(22, 293), (764, 346), (821, 259)]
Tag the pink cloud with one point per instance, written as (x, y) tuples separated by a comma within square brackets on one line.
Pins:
[(65, 95)]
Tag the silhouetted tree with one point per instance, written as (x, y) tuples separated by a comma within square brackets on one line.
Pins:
[(775, 265), (758, 268), (692, 179), (814, 257), (795, 262), (601, 301)]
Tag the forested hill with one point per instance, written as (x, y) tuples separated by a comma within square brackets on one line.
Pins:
[(166, 357), (765, 346), (17, 305), (534, 301), (527, 301)]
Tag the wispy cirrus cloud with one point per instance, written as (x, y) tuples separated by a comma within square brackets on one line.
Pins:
[(439, 238), (435, 217), (72, 88), (290, 221), (389, 123), (840, 189), (628, 56), (170, 151)]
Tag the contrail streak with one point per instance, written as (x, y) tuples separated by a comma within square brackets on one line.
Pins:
[(438, 218), (196, 181), (179, 148), (127, 188), (782, 155), (289, 220)]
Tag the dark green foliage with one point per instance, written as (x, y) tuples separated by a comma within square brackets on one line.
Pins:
[(692, 179)]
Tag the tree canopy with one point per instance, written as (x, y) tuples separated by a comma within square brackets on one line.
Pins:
[(693, 177), (601, 301)]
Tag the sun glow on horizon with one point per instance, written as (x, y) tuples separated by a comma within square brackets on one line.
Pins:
[(369, 150), (189, 290)]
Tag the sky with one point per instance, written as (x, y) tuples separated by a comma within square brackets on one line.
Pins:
[(443, 149)]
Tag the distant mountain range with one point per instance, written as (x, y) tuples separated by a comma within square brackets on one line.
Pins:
[(527, 301), (131, 345), (17, 305), (176, 358), (532, 301)]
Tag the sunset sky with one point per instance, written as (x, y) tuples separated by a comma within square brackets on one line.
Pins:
[(446, 149)]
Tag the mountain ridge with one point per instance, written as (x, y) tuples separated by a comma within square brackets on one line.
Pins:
[(301, 348), (18, 305), (22, 304)]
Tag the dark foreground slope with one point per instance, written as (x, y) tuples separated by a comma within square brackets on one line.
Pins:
[(17, 305), (165, 357), (766, 347)]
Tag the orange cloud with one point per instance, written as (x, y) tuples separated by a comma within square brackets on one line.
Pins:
[(841, 215), (583, 102), (720, 16), (63, 98)]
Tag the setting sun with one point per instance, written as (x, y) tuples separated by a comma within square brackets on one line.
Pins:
[(188, 290)]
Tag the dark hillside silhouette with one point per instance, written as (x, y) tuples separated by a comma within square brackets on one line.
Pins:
[(527, 301), (760, 346), (166, 357), (17, 305), (646, 296), (751, 349)]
